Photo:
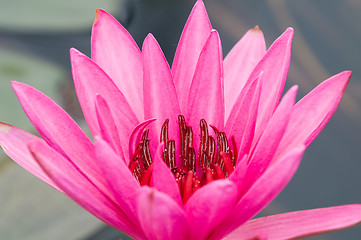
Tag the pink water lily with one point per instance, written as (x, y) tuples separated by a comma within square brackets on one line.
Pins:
[(189, 152)]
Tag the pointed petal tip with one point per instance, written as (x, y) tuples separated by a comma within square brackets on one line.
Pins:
[(4, 127), (290, 30), (96, 16), (291, 94), (149, 41), (342, 79), (199, 2), (214, 32), (215, 36), (288, 33), (98, 98), (346, 74), (149, 37), (99, 13), (15, 84), (75, 55), (19, 87), (74, 52), (294, 89), (256, 30)]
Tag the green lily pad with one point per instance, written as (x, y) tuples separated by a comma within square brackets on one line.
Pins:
[(51, 15)]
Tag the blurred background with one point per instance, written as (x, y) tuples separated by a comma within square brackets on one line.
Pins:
[(35, 37)]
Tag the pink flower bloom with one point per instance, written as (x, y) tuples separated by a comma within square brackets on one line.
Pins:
[(189, 152)]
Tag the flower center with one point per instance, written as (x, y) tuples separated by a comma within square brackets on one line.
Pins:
[(215, 160)]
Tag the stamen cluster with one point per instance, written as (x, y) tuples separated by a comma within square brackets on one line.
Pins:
[(215, 160)]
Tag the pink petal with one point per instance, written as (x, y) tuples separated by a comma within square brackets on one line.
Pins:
[(119, 178), (116, 52), (237, 176), (108, 128), (274, 66), (239, 63), (90, 80), (300, 224), (206, 100), (160, 216), (263, 191), (136, 136), (249, 131), (242, 120), (163, 179), (265, 149), (208, 207), (194, 36), (160, 96), (79, 188), (14, 141), (59, 130), (313, 111)]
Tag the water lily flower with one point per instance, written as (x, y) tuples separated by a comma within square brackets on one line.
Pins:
[(194, 151)]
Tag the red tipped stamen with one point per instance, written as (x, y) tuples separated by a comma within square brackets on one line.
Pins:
[(196, 183), (188, 187), (146, 176), (133, 165), (219, 172), (235, 153), (209, 175), (227, 163)]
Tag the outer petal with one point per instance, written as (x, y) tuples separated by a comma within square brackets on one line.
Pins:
[(265, 149), (90, 80), (59, 130), (194, 36), (116, 52), (206, 100), (274, 66), (79, 188), (14, 141), (312, 112), (239, 63), (163, 179), (264, 190), (300, 224), (108, 127), (160, 96), (160, 217), (208, 207), (120, 180)]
